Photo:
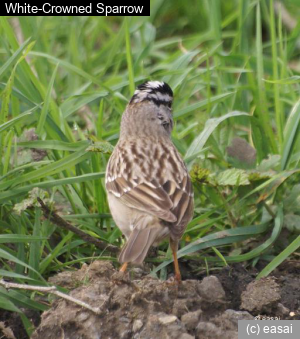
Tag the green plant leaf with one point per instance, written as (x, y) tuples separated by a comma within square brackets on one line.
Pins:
[(201, 104), (20, 299), (13, 58), (8, 124), (231, 177), (291, 133), (8, 256), (45, 109), (50, 183), (260, 249), (217, 239), (209, 127), (287, 81), (55, 145), (9, 274), (15, 238), (50, 169), (6, 304)]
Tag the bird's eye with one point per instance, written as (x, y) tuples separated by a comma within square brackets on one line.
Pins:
[(166, 125), (169, 104)]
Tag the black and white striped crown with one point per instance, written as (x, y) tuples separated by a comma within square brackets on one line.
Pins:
[(156, 91)]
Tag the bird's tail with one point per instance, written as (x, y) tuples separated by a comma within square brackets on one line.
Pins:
[(138, 244)]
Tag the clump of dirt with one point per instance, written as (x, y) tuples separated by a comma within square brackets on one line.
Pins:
[(261, 296)]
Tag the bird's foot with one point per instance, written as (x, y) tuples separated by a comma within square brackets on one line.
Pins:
[(120, 277), (174, 281)]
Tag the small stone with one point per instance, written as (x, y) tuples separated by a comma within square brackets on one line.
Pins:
[(137, 272), (137, 325), (211, 289), (180, 307), (207, 330), (191, 319), (83, 316), (186, 336), (124, 320), (167, 319), (282, 310), (235, 316)]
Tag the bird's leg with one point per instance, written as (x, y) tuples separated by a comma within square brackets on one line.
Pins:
[(174, 248), (120, 276), (123, 267)]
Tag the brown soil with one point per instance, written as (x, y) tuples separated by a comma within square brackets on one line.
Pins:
[(144, 307)]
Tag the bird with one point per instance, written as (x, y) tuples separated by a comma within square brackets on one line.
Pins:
[(148, 186)]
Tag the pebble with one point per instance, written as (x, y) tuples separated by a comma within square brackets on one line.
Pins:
[(211, 289), (167, 319), (137, 325)]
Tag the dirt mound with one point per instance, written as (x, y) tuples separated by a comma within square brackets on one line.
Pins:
[(139, 308), (144, 307)]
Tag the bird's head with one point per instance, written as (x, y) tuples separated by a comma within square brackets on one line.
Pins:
[(149, 110)]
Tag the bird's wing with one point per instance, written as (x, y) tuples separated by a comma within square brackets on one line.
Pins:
[(146, 196), (181, 195)]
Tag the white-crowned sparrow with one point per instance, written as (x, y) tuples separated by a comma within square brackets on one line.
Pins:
[(148, 186)]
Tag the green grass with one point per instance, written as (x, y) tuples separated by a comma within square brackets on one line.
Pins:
[(235, 72)]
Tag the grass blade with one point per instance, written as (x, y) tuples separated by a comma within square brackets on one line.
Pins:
[(262, 113), (16, 238), (57, 166), (259, 250), (45, 109), (129, 57), (292, 247), (6, 304), (13, 58), (15, 120), (8, 256), (217, 239), (55, 145), (35, 248), (278, 111), (291, 133), (209, 127), (4, 196), (201, 104)]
